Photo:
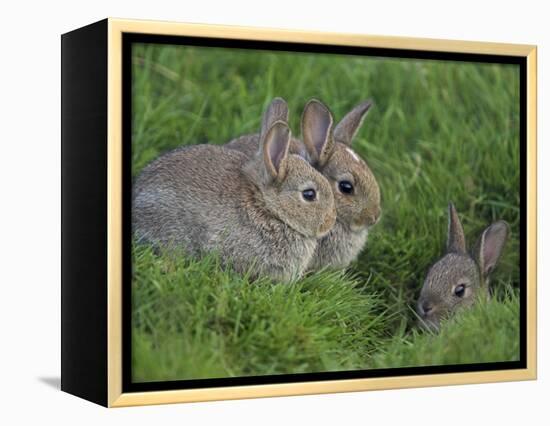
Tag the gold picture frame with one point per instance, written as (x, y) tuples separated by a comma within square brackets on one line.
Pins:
[(114, 30)]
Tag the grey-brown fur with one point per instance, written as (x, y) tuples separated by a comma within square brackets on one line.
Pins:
[(206, 198), (329, 151), (439, 297)]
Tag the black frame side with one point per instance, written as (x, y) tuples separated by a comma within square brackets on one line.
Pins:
[(84, 212)]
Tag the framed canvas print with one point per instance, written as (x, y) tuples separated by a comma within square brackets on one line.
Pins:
[(254, 212)]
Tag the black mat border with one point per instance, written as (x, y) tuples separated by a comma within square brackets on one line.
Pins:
[(132, 38)]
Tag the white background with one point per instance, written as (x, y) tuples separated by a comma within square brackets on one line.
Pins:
[(30, 211)]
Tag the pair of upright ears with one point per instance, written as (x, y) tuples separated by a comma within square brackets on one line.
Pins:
[(317, 132), (490, 244)]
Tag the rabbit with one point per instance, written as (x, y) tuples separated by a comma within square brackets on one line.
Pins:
[(262, 215), (356, 191), (459, 278)]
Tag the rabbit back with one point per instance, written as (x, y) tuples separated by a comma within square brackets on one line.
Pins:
[(175, 197)]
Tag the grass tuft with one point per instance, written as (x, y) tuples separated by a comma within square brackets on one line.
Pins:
[(195, 319), (486, 333)]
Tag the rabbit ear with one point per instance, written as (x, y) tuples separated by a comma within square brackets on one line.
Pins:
[(349, 125), (490, 245), (456, 242), (317, 131), (276, 111), (275, 150)]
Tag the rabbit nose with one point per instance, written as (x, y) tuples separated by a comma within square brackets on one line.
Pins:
[(425, 308), (371, 216)]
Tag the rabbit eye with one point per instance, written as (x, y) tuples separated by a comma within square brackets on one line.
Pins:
[(346, 187), (460, 290), (309, 194)]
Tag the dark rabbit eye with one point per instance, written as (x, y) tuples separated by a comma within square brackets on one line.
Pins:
[(460, 290), (346, 187), (309, 194)]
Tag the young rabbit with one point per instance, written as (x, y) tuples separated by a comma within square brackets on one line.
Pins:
[(356, 191), (262, 214), (459, 278)]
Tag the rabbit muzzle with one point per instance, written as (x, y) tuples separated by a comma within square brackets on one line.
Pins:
[(367, 218), (328, 223), (428, 315)]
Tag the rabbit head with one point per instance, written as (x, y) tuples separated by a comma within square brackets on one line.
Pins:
[(459, 278), (356, 191), (289, 187)]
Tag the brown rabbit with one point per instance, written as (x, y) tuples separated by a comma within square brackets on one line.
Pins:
[(262, 214), (356, 191), (459, 278)]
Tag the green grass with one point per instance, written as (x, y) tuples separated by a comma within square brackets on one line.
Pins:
[(439, 131), (486, 333), (194, 319)]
